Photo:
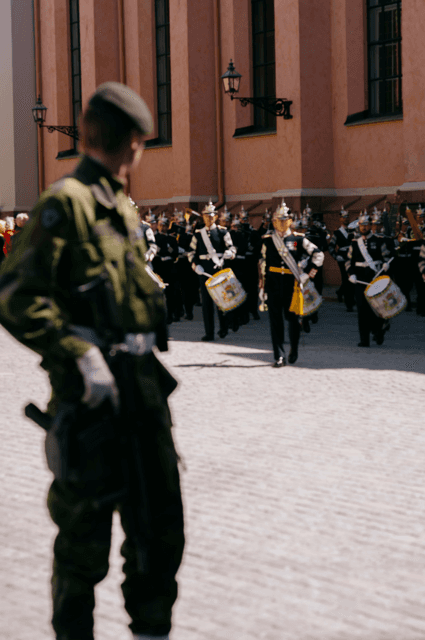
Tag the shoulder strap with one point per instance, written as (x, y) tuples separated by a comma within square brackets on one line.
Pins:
[(366, 255)]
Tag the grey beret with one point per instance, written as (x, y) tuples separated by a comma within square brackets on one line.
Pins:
[(127, 101)]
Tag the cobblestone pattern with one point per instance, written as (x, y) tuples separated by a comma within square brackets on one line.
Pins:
[(304, 490)]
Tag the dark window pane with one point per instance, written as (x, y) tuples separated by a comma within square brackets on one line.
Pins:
[(75, 35), (76, 85), (259, 84), (269, 15), (74, 10), (163, 99), (270, 46), (162, 70), (258, 17), (160, 12), (76, 61), (270, 80), (161, 41), (374, 25), (258, 49)]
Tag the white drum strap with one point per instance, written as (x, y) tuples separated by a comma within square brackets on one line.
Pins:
[(344, 232), (285, 255), (210, 249), (366, 255)]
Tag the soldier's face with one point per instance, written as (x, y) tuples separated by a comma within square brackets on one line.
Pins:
[(343, 221), (282, 226), (208, 220), (364, 229)]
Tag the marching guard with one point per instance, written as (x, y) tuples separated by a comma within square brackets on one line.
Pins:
[(367, 256), (338, 249), (211, 246), (164, 266), (281, 251)]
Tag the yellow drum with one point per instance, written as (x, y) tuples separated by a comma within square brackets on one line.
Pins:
[(226, 291), (385, 297), (311, 299)]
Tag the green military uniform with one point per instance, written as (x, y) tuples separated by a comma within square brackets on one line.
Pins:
[(84, 230)]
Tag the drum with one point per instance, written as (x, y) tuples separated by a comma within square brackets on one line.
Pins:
[(385, 297), (312, 299), (226, 291)]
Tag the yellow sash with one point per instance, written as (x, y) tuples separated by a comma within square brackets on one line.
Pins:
[(297, 302)]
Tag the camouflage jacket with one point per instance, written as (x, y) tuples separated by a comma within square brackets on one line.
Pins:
[(82, 233)]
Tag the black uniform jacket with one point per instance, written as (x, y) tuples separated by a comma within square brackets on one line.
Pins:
[(356, 264), (300, 249), (221, 241), (340, 243)]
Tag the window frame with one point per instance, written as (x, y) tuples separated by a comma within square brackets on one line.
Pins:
[(75, 62), (261, 61), (381, 80)]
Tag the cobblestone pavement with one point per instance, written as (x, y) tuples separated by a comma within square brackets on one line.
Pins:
[(304, 490)]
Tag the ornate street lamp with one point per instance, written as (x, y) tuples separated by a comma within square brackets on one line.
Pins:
[(39, 115), (276, 106)]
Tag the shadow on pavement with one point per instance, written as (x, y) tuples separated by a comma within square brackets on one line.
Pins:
[(331, 344)]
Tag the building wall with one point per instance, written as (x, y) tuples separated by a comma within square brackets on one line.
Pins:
[(18, 137), (320, 65)]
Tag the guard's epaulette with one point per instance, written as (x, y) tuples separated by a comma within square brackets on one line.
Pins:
[(297, 233), (266, 235)]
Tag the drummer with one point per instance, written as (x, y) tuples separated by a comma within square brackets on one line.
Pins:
[(366, 254), (211, 246), (282, 250)]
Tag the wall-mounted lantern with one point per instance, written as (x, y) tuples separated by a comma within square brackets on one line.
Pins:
[(276, 106), (39, 115)]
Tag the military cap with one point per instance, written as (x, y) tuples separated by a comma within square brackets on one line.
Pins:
[(126, 100), (235, 222), (343, 213), (420, 212), (163, 219), (282, 213)]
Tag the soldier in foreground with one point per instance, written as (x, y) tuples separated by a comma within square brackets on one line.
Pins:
[(75, 290)]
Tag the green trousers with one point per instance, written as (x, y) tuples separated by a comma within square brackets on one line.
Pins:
[(82, 546)]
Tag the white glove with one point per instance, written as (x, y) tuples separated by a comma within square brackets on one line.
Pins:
[(340, 259), (385, 266), (150, 255), (353, 279), (228, 255), (303, 278), (199, 270), (99, 383)]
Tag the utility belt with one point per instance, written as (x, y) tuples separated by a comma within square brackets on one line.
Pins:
[(366, 264), (207, 256), (282, 270), (136, 344)]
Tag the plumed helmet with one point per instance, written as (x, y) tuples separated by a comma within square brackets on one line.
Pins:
[(209, 209), (243, 215), (364, 218), (420, 212), (282, 213), (376, 216), (163, 219), (343, 214)]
